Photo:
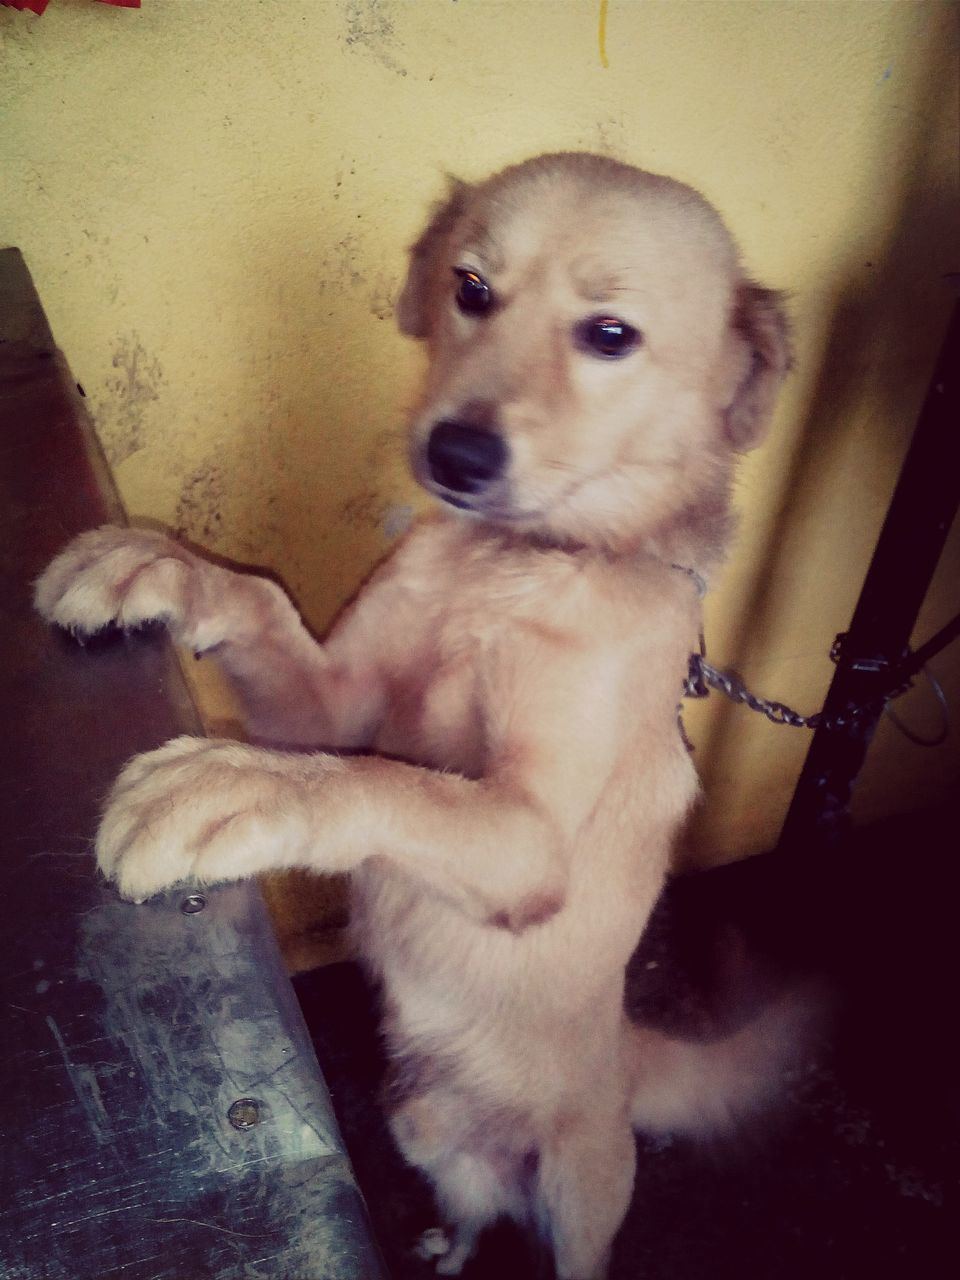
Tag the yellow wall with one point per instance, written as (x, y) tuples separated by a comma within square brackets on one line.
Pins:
[(214, 197)]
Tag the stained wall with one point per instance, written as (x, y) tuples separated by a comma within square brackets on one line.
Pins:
[(215, 199)]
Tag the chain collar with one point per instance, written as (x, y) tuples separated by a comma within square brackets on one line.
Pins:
[(702, 677)]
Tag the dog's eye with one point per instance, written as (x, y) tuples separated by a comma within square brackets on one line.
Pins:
[(473, 293), (607, 337)]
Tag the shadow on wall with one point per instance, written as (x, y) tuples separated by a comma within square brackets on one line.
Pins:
[(884, 336)]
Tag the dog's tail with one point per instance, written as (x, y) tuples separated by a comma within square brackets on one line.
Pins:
[(703, 1088)]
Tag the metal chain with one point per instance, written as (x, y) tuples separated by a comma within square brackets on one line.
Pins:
[(701, 677)]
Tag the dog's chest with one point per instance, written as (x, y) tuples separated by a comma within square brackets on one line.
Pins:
[(442, 686), (435, 711)]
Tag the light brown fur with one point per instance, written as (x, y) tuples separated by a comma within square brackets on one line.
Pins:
[(510, 680)]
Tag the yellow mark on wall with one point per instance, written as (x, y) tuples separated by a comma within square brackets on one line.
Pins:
[(602, 33)]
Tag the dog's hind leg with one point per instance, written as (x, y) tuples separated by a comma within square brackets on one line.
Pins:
[(473, 1188), (471, 1197), (585, 1186)]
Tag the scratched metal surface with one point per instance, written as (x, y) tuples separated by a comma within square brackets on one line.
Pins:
[(126, 1033)]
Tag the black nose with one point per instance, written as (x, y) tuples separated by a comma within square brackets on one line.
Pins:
[(463, 458)]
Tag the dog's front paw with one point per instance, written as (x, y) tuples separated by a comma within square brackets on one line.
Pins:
[(204, 810), (114, 577)]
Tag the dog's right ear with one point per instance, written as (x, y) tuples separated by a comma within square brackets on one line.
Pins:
[(413, 306)]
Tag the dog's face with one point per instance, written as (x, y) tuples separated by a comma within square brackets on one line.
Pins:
[(595, 354)]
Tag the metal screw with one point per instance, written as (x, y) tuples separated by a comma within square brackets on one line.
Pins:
[(193, 903), (245, 1113)]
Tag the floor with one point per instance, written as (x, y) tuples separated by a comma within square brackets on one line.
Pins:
[(852, 1177)]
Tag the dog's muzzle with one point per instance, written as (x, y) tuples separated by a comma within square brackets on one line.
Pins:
[(464, 459)]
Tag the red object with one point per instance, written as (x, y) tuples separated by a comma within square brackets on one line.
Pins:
[(38, 6)]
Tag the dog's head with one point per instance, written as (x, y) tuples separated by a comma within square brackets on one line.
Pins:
[(596, 355)]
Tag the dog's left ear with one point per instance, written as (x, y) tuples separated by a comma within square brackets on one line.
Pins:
[(413, 306), (760, 324)]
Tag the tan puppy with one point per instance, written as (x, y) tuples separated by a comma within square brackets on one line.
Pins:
[(510, 677)]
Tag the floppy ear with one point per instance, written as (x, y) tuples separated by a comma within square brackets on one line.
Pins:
[(760, 324), (413, 305)]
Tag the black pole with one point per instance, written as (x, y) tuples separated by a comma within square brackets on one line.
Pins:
[(914, 531)]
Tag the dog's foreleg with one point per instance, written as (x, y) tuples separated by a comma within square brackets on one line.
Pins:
[(292, 689), (499, 847), (214, 810)]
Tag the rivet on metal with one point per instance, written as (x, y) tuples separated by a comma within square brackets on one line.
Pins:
[(245, 1113), (193, 903)]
